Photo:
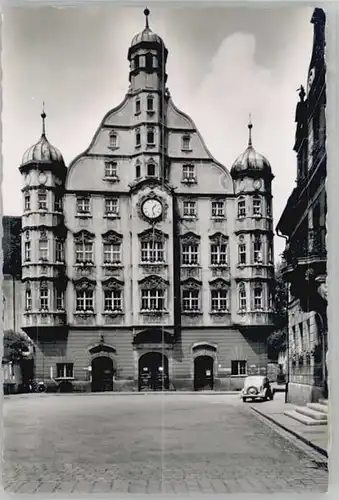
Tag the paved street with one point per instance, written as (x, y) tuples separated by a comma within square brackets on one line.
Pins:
[(148, 444)]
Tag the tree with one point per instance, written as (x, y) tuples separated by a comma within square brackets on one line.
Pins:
[(277, 341), (19, 349)]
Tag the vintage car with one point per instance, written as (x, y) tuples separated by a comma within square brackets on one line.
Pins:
[(257, 387)]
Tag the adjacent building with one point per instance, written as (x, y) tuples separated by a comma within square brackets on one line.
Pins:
[(303, 224), (146, 263)]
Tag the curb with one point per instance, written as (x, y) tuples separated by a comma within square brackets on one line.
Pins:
[(117, 393), (320, 450)]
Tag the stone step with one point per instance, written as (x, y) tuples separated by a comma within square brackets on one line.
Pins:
[(323, 402), (309, 412), (318, 407), (303, 419)]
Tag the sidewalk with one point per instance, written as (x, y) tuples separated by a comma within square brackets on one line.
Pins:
[(315, 436), (121, 393)]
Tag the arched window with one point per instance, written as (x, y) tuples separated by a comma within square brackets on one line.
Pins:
[(150, 136), (258, 296), (257, 206), (137, 138), (186, 142), (242, 297), (137, 105), (150, 103), (241, 207), (113, 139), (137, 170)]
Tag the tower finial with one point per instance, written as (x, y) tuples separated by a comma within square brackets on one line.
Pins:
[(43, 116), (250, 126), (146, 12)]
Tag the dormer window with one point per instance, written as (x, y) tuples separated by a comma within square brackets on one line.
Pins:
[(151, 169), (150, 103), (257, 206), (137, 170), (186, 142), (137, 138), (188, 173), (113, 140), (137, 106), (111, 170), (241, 208), (150, 136), (42, 200)]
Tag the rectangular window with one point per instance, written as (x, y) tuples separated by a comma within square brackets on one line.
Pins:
[(219, 300), (150, 137), (27, 251), (137, 138), (189, 254), (190, 300), (59, 300), (150, 103), (44, 299), (239, 367), (113, 140), (43, 250), (28, 300), (186, 143), (150, 170), (64, 370), (188, 173), (218, 209), (152, 251), (83, 205), (189, 208), (27, 205), (57, 204), (301, 333), (218, 254), (152, 300), (112, 301), (241, 208), (258, 298), (112, 253), (59, 251), (256, 206), (257, 255), (111, 169), (42, 200), (84, 301), (84, 252), (293, 338), (242, 253), (137, 106), (111, 206), (242, 299)]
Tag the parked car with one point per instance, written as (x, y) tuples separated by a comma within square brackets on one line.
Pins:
[(257, 387)]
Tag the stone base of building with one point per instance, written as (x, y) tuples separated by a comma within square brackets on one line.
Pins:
[(301, 394)]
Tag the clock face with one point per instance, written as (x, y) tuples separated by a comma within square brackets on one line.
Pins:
[(257, 184), (42, 178), (152, 209)]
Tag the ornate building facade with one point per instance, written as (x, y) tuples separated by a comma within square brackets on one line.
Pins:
[(146, 263), (303, 224)]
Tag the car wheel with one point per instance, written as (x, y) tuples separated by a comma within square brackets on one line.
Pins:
[(244, 400)]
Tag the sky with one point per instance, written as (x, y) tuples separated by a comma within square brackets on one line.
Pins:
[(224, 63)]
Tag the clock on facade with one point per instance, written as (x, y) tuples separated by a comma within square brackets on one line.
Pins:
[(42, 178), (152, 208), (257, 184)]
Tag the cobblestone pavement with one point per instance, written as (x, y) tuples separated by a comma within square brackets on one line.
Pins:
[(149, 444)]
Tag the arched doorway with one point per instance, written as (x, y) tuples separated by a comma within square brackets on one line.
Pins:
[(153, 372), (203, 373), (102, 374)]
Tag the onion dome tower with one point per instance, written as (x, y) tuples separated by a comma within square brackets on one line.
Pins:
[(147, 56), (43, 235), (252, 177)]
